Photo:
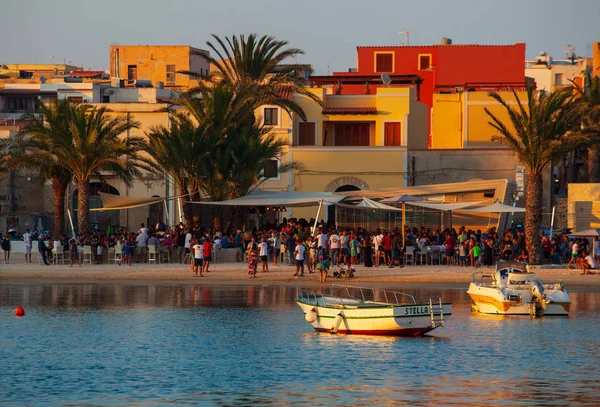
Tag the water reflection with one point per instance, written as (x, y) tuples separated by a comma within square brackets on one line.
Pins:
[(155, 345)]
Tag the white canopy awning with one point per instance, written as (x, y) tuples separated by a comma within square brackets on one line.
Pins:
[(449, 207), (366, 203), (403, 198), (586, 233), (114, 202), (497, 207), (273, 198)]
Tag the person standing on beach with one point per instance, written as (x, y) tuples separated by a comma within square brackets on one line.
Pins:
[(208, 251), (334, 247), (290, 245), (74, 253), (299, 252), (263, 252), (27, 244), (6, 246), (43, 249), (252, 254), (198, 250)]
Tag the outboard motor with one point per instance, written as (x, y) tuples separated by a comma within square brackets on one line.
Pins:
[(537, 296)]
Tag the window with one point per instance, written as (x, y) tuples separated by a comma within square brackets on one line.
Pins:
[(131, 74), (272, 169), (105, 99), (392, 134), (306, 133), (384, 62), (270, 116), (352, 134), (424, 61), (171, 72), (558, 78)]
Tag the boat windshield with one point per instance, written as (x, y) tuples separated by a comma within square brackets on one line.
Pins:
[(357, 294)]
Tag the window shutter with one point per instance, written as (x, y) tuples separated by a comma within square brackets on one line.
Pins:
[(306, 134), (384, 63), (393, 134)]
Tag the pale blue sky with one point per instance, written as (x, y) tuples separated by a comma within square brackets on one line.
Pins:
[(327, 30)]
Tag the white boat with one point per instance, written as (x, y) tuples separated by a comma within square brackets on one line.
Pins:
[(370, 311), (511, 290)]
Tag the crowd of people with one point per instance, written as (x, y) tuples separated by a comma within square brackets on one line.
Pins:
[(293, 242)]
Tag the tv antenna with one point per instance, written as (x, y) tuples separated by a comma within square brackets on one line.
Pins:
[(385, 79), (405, 33)]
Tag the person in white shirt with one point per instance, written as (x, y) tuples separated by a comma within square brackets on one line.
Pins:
[(198, 249), (322, 241), (344, 245), (263, 253), (587, 263), (188, 243), (299, 253), (27, 244), (574, 253), (334, 247), (143, 230), (378, 243)]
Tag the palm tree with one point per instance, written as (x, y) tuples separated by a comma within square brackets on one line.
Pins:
[(253, 61), (539, 133), (21, 152), (590, 96), (175, 151), (87, 143)]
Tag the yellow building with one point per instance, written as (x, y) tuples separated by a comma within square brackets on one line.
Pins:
[(459, 119), (34, 71), (351, 142), (157, 64)]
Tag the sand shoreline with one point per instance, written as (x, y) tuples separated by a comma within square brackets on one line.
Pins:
[(236, 274)]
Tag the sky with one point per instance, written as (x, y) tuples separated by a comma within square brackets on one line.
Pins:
[(80, 31)]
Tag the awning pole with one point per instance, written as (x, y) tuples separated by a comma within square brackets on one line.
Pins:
[(166, 211), (181, 217), (317, 218), (552, 221), (403, 224), (71, 221)]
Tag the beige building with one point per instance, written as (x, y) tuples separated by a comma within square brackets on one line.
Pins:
[(583, 207), (159, 64), (550, 74)]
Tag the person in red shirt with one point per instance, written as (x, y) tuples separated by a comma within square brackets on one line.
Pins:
[(208, 249), (449, 247), (386, 241)]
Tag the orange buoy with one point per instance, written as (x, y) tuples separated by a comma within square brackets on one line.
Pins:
[(20, 312)]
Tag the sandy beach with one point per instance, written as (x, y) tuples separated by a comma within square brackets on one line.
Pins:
[(235, 273)]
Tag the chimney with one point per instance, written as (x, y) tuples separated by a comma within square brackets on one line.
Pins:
[(446, 41)]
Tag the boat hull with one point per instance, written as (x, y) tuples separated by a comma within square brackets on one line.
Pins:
[(390, 320), (492, 300)]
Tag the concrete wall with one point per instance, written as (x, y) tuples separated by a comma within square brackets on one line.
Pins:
[(584, 206), (151, 62)]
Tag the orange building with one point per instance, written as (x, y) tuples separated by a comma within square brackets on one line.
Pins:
[(158, 64)]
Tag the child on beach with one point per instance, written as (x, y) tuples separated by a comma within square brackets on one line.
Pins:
[(462, 254), (74, 252), (323, 266), (128, 251), (475, 253)]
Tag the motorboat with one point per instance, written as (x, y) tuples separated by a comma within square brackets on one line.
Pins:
[(512, 289), (371, 311)]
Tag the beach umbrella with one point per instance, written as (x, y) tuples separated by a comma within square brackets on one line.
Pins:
[(403, 199)]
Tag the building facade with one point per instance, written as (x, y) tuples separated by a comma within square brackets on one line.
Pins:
[(158, 64)]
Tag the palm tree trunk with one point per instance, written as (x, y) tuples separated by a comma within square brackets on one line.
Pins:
[(533, 216), (82, 206), (60, 188), (593, 163)]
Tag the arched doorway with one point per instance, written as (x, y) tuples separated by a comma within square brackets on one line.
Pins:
[(331, 208), (106, 221)]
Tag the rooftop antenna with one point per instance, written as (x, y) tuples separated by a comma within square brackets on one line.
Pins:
[(385, 79), (327, 68), (405, 33)]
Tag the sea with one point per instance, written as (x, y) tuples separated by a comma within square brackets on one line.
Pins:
[(141, 344)]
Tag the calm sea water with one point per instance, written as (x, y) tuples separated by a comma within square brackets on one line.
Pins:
[(157, 345)]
